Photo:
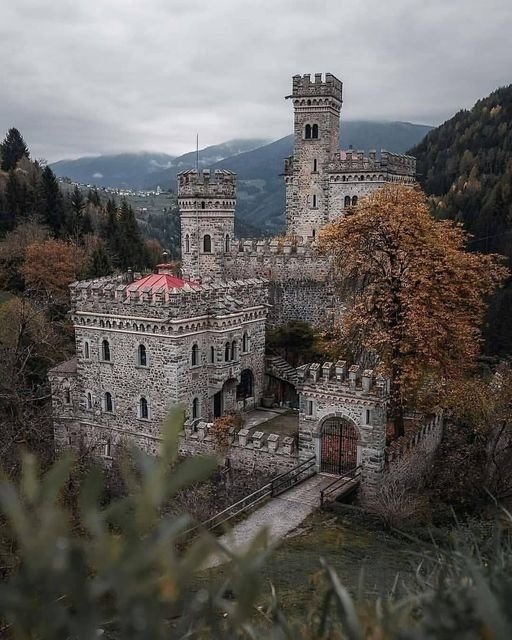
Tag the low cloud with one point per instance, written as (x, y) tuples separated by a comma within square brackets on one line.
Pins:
[(125, 75)]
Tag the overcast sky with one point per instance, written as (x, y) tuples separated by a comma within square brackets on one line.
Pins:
[(84, 77)]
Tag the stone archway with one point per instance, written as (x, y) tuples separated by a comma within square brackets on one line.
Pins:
[(338, 445)]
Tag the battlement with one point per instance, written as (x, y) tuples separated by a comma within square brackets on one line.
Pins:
[(115, 296), (203, 184), (341, 378), (273, 443), (388, 163), (303, 87)]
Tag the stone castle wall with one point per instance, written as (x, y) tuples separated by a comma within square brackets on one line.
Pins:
[(298, 278), (267, 452)]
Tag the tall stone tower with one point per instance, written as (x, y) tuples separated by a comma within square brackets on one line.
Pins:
[(207, 213), (317, 106)]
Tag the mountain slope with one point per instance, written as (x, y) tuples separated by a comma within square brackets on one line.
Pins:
[(145, 169), (120, 170), (466, 165)]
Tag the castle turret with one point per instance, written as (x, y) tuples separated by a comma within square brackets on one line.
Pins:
[(317, 106), (207, 212)]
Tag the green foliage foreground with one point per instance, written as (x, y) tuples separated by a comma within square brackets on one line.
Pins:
[(125, 570)]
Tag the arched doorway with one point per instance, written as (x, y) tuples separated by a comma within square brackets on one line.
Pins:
[(244, 388), (338, 451)]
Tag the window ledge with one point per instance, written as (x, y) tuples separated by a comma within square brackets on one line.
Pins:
[(142, 366)]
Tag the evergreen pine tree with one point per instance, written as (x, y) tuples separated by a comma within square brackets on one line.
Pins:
[(100, 263), (109, 231), (79, 219), (13, 149), (132, 250), (51, 203), (93, 197)]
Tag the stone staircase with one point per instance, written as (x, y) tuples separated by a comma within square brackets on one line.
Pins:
[(279, 368)]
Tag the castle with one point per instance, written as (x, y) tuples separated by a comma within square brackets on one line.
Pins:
[(147, 343)]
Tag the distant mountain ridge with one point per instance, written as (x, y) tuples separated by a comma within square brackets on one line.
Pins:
[(257, 163), (145, 169)]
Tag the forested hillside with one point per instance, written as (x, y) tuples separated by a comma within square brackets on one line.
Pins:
[(466, 166), (48, 239)]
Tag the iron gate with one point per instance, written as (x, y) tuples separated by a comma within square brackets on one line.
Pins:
[(339, 446)]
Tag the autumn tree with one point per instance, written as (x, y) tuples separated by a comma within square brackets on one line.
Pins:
[(12, 253), (416, 297), (29, 345), (13, 148), (50, 267)]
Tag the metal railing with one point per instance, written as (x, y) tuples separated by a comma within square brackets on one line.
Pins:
[(290, 478), (339, 483), (278, 485)]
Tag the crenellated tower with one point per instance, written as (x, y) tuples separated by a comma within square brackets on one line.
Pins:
[(317, 106), (207, 212)]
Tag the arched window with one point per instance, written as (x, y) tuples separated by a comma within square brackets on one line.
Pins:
[(315, 165), (195, 408), (212, 354), (314, 131), (108, 403), (226, 243), (87, 350), (233, 350), (187, 243), (354, 201), (245, 342), (203, 205), (67, 395), (307, 132), (107, 449), (105, 351), (347, 201), (313, 201), (195, 355), (142, 356), (143, 408), (227, 352), (88, 401), (207, 244)]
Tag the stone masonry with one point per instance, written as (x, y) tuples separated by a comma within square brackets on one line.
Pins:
[(322, 183), (146, 344), (340, 395)]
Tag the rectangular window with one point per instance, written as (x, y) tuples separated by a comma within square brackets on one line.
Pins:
[(315, 165), (309, 408), (313, 200), (368, 416)]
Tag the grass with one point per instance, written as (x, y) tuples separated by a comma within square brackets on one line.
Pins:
[(363, 555)]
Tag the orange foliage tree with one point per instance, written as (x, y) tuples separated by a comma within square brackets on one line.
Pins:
[(415, 297), (50, 266)]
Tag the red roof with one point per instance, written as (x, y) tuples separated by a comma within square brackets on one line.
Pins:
[(156, 281)]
